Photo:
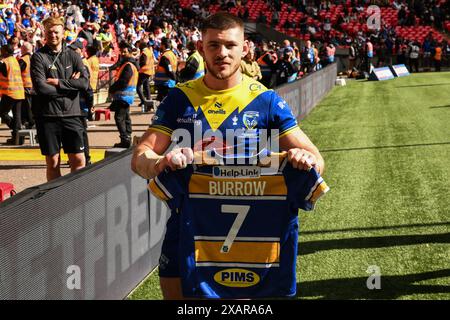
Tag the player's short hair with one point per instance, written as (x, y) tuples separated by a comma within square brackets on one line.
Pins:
[(221, 21), (52, 21)]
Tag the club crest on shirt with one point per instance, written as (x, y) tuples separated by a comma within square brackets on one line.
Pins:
[(250, 119)]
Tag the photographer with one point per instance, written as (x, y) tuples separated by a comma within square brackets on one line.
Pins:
[(285, 69)]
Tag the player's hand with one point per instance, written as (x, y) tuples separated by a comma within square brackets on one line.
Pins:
[(301, 159), (76, 75), (178, 159), (53, 82)]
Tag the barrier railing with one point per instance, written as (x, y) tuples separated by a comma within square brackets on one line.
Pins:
[(303, 95), (94, 234)]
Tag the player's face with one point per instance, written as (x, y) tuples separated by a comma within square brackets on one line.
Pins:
[(222, 51)]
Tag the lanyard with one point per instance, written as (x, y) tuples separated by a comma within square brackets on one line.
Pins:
[(54, 61)]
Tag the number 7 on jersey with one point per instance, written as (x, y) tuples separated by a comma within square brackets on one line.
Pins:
[(242, 212)]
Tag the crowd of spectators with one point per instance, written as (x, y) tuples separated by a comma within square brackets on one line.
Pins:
[(151, 20), (324, 26), (105, 24)]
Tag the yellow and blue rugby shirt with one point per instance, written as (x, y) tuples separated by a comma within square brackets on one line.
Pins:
[(248, 106), (238, 227)]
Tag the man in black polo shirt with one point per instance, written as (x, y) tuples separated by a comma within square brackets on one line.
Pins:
[(57, 75)]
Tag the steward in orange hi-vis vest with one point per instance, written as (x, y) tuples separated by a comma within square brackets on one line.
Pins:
[(26, 75), (26, 50), (149, 67), (12, 84), (161, 77), (12, 93)]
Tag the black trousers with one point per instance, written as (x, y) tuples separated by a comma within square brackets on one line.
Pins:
[(122, 118), (7, 104), (437, 65), (368, 63), (27, 115), (414, 64), (143, 87)]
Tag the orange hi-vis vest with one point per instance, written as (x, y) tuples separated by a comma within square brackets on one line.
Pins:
[(12, 84), (26, 74), (149, 67), (161, 78), (95, 67), (265, 68), (438, 54), (129, 92)]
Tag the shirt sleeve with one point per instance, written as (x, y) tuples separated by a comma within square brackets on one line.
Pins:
[(39, 77), (3, 69), (169, 186), (165, 118), (190, 69), (142, 60), (304, 187), (281, 116), (22, 64), (82, 83), (269, 61)]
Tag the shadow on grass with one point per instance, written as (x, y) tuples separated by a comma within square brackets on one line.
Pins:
[(439, 107), (392, 287), (426, 85), (400, 226), (385, 147), (310, 247)]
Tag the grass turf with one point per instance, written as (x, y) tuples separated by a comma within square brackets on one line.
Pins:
[(387, 150)]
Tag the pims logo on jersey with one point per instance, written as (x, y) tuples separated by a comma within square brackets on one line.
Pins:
[(238, 278)]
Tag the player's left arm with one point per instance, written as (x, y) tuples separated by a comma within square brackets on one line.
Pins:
[(302, 153)]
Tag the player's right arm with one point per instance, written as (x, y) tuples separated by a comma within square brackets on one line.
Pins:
[(148, 160), (147, 155)]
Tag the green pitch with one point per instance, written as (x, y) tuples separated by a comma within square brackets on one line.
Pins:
[(387, 151)]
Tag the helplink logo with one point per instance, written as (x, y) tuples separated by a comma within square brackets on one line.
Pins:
[(224, 172)]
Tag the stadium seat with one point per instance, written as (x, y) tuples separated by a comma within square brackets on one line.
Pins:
[(99, 112), (290, 13), (6, 188)]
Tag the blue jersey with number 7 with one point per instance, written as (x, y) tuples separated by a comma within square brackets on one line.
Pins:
[(239, 227)]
